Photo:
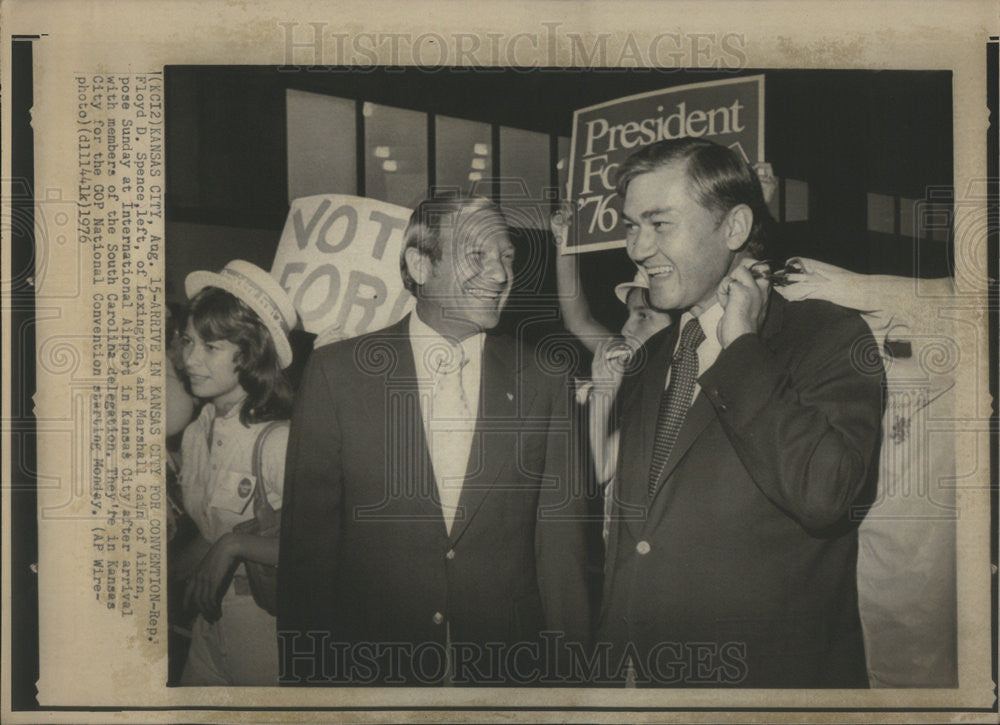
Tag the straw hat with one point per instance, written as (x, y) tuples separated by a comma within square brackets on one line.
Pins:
[(641, 281), (260, 291)]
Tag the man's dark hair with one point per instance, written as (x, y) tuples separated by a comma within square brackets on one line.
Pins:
[(719, 180), (432, 217)]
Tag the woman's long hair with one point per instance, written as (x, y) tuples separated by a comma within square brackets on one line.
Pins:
[(219, 315)]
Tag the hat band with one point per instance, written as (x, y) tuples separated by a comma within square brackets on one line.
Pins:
[(255, 293)]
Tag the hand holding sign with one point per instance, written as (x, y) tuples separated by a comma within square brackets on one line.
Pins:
[(560, 223)]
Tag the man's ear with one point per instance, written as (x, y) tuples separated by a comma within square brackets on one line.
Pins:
[(738, 223), (419, 265)]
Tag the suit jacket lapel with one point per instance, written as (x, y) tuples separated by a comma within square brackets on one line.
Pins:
[(406, 442), (637, 435), (699, 415), (492, 451), (701, 412)]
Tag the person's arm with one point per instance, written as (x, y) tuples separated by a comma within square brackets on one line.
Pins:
[(606, 378), (807, 431), (603, 442), (572, 301), (262, 549), (895, 301), (207, 586)]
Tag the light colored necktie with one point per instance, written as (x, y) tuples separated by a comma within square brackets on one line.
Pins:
[(676, 399), (450, 431)]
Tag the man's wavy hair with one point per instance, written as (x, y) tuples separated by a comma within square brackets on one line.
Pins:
[(720, 180), (219, 315), (427, 225)]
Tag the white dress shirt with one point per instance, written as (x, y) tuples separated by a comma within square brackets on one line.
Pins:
[(710, 347), (449, 414)]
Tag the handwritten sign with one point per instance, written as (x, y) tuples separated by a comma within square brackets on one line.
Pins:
[(729, 112), (338, 259)]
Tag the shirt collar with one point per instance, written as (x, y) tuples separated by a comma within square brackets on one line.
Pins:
[(709, 316), (209, 413), (423, 337), (709, 321)]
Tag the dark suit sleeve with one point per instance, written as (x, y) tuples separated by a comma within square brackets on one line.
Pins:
[(560, 546), (310, 524), (807, 431)]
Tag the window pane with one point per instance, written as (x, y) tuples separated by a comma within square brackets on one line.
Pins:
[(524, 170), (881, 213), (464, 155), (322, 155), (395, 154)]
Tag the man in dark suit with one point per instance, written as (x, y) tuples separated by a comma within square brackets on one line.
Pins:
[(430, 527), (749, 442)]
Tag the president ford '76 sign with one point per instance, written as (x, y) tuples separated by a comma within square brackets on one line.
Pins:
[(729, 112)]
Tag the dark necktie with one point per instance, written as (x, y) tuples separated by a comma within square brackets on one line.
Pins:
[(675, 399)]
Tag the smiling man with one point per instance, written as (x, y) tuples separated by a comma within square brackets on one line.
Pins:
[(749, 442), (430, 530)]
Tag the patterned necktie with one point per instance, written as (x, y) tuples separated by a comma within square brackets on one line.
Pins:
[(449, 389), (676, 399), (451, 431)]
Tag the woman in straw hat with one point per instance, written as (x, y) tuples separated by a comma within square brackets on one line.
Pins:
[(233, 456)]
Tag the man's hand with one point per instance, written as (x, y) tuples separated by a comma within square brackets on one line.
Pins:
[(744, 300), (610, 360)]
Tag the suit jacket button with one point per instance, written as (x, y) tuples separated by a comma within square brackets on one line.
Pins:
[(450, 555), (438, 618), (643, 548)]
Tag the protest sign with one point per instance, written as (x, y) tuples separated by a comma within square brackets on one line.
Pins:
[(338, 259)]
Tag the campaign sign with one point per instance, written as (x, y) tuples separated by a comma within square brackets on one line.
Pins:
[(338, 259), (729, 112)]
